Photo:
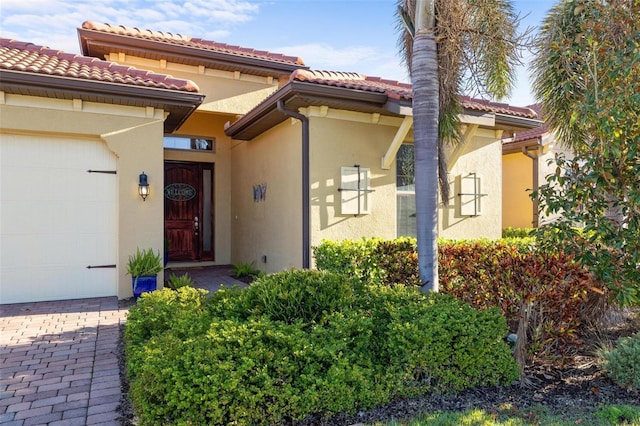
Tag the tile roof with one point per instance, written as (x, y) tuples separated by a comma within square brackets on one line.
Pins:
[(496, 107), (531, 133), (198, 43), (400, 91), (30, 58), (352, 80)]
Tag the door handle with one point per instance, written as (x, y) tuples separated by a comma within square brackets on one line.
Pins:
[(196, 223)]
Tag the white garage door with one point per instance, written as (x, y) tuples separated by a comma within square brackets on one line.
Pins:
[(56, 219)]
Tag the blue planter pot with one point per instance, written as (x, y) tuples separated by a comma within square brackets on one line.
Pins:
[(144, 285)]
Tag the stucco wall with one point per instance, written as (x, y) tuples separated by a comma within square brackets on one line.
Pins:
[(212, 125), (517, 181), (483, 155), (339, 142), (135, 137), (271, 227), (226, 92)]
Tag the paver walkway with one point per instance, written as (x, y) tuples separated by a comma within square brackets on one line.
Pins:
[(59, 362)]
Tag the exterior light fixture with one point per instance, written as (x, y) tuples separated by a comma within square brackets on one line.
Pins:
[(143, 186)]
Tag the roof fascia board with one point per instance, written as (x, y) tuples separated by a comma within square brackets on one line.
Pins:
[(528, 123), (399, 107), (486, 119), (319, 91), (102, 39), (81, 88), (303, 90)]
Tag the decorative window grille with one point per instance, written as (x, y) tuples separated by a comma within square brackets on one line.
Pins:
[(470, 195), (354, 190)]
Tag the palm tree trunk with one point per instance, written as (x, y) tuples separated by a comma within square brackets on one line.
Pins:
[(424, 79)]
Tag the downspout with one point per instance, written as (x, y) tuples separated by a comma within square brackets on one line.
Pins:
[(536, 183), (306, 210)]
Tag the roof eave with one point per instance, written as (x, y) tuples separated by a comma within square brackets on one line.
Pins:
[(517, 121), (179, 104), (92, 42), (252, 124)]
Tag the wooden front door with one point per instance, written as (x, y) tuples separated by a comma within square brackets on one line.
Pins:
[(187, 189)]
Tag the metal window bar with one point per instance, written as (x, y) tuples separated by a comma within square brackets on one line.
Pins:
[(475, 194), (359, 190), (109, 172)]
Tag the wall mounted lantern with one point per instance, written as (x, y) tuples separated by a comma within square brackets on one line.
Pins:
[(143, 186)]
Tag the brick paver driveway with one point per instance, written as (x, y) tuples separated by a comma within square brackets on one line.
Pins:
[(59, 362)]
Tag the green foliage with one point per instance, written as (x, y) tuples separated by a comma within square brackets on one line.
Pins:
[(505, 274), (587, 75), (456, 359), (178, 281), (241, 270), (144, 263), (623, 362), (510, 232), (178, 312), (332, 345), (305, 296), (619, 414), (349, 257)]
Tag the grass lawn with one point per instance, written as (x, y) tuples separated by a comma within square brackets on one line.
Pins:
[(538, 415)]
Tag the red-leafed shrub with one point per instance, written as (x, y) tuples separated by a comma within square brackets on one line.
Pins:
[(549, 291)]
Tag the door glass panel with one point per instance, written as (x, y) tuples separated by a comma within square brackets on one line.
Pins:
[(206, 216)]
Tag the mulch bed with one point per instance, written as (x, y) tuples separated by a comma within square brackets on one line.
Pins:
[(573, 385)]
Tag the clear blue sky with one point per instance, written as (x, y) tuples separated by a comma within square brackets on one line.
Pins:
[(347, 35)]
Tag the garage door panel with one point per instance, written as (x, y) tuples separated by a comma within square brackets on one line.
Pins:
[(56, 219)]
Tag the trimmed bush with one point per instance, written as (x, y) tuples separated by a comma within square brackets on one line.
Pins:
[(510, 274), (300, 295), (623, 362), (303, 343)]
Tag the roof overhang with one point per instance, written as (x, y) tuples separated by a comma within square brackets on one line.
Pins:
[(509, 122), (301, 94), (100, 44), (297, 94), (179, 104)]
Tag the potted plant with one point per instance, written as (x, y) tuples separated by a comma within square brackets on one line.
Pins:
[(143, 267)]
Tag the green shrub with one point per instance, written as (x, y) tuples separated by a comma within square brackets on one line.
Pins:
[(302, 343), (510, 232), (445, 344), (178, 281), (241, 270), (300, 295), (351, 258), (177, 312), (508, 274), (623, 362)]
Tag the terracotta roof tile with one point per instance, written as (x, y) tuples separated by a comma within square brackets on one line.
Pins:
[(531, 133), (398, 90), (27, 57), (500, 108), (351, 80), (198, 43)]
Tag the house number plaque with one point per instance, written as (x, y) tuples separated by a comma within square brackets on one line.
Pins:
[(179, 192)]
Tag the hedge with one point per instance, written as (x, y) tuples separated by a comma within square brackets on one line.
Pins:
[(509, 274), (303, 343)]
